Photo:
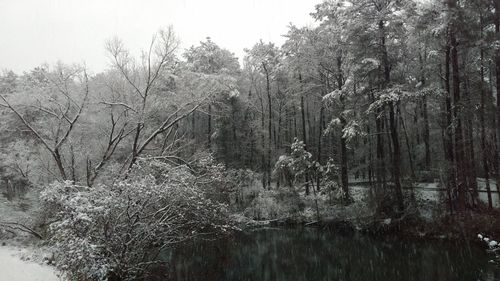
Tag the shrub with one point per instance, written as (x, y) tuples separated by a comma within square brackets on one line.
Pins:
[(274, 204), (244, 186), (117, 232)]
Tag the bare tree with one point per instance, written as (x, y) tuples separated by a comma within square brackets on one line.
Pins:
[(143, 78), (60, 105)]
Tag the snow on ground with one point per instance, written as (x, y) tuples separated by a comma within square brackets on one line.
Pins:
[(15, 267), (22, 258)]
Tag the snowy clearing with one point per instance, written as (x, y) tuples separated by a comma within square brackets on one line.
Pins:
[(14, 268)]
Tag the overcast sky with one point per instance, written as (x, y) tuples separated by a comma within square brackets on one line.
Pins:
[(33, 32)]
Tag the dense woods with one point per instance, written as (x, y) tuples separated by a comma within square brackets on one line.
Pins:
[(392, 91), (388, 92)]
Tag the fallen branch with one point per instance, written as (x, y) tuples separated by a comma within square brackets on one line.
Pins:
[(21, 227)]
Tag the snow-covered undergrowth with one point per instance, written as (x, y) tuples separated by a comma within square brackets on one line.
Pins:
[(293, 204), (21, 256), (120, 231), (21, 211), (298, 197)]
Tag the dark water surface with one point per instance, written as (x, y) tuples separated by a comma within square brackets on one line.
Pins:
[(308, 254)]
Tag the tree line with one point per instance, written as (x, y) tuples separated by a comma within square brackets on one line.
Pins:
[(393, 92)]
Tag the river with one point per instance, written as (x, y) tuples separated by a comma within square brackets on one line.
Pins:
[(309, 254)]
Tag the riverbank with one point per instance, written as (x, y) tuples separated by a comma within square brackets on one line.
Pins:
[(450, 227), (426, 215), (455, 229)]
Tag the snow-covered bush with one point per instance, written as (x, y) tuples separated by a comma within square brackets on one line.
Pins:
[(211, 177), (295, 165), (283, 170), (243, 185), (273, 204), (330, 173), (264, 206), (118, 231)]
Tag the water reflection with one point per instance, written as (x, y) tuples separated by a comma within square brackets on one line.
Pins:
[(307, 254)]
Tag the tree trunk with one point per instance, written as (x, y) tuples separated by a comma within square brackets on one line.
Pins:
[(309, 126), (392, 124), (497, 74), (482, 127), (304, 132), (59, 163), (370, 156), (408, 145), (209, 133), (263, 141), (396, 157), (426, 134), (73, 169), (425, 116), (379, 131), (343, 161), (449, 155), (295, 132), (269, 124), (320, 135), (459, 144), (279, 138), (193, 126), (344, 175)]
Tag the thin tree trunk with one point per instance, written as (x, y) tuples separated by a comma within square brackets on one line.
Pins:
[(263, 141), (193, 126), (494, 157), (209, 134), (392, 125), (73, 169), (379, 131), (309, 126), (426, 135), (344, 177), (279, 139), (370, 156), (320, 135), (425, 115), (295, 132), (396, 157), (496, 160), (408, 145), (304, 132), (482, 124), (270, 118), (343, 162), (449, 154)]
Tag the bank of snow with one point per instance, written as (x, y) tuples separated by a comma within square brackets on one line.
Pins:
[(13, 267)]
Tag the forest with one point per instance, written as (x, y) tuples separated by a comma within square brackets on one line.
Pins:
[(382, 118)]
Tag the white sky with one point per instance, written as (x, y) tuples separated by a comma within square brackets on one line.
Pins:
[(33, 32)]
